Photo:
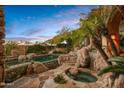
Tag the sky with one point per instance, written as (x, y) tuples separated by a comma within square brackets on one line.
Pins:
[(41, 22)]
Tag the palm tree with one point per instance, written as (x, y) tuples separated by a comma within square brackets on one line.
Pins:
[(98, 20), (90, 28), (104, 16)]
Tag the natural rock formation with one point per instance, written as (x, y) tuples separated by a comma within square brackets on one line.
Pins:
[(30, 56), (46, 80), (102, 82), (73, 71), (83, 57), (36, 68), (51, 84), (15, 72), (97, 62), (69, 59), (30, 69), (25, 82), (2, 56), (22, 58), (39, 68), (119, 82)]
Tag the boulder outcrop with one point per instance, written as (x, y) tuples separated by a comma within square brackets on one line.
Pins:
[(83, 58), (36, 68)]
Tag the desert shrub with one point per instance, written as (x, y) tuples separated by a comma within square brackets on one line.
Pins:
[(60, 79), (38, 49)]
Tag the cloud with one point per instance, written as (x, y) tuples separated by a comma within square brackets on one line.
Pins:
[(73, 11), (70, 21), (33, 31), (84, 9), (24, 38)]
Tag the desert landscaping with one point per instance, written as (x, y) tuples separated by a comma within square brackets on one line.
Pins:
[(90, 56)]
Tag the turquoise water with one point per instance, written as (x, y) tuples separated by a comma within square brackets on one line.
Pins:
[(82, 77), (40, 59), (45, 58)]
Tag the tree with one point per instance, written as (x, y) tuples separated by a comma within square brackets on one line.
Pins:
[(89, 27), (69, 44), (103, 17), (37, 48), (95, 25)]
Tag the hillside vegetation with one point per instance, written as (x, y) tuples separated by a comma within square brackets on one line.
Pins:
[(75, 37)]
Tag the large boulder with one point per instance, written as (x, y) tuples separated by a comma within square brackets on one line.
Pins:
[(36, 68), (73, 70), (83, 57), (49, 83), (39, 68), (30, 56), (22, 58), (31, 83), (25, 82), (97, 62), (30, 69)]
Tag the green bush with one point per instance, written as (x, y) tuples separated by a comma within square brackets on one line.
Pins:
[(38, 49), (60, 79)]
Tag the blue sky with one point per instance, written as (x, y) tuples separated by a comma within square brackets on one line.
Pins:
[(41, 22)]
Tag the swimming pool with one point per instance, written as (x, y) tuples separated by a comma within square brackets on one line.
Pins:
[(45, 58), (16, 69), (82, 77)]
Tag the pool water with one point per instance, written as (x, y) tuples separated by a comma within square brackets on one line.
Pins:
[(45, 58), (82, 77)]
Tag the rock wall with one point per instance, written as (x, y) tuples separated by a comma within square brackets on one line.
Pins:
[(2, 56), (67, 59), (119, 82), (15, 72), (36, 68), (83, 58), (97, 62), (52, 64)]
